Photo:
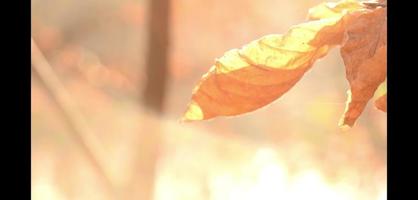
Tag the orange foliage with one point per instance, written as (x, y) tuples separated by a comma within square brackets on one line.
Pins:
[(249, 78), (381, 103)]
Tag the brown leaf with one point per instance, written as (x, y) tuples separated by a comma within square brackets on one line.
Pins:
[(246, 79), (381, 103), (364, 55)]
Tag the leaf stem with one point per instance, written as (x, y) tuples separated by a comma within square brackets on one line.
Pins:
[(375, 4)]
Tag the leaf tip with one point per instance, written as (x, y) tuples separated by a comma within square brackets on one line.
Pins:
[(346, 121), (193, 113), (344, 127), (381, 103)]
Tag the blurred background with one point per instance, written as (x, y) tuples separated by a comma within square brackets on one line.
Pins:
[(111, 79)]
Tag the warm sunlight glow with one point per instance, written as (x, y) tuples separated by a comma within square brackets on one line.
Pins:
[(262, 83), (44, 190)]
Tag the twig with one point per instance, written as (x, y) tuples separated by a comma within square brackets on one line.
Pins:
[(375, 4), (82, 134)]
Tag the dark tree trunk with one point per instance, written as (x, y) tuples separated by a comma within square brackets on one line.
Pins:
[(157, 57), (153, 96)]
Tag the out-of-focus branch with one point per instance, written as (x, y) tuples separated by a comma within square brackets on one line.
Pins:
[(154, 95), (157, 56), (81, 132)]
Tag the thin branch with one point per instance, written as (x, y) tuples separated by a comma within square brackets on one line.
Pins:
[(82, 134), (375, 4)]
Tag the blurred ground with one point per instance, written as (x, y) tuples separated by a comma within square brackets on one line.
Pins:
[(292, 149)]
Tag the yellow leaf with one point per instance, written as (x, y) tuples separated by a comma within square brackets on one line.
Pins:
[(334, 9), (246, 79), (253, 76)]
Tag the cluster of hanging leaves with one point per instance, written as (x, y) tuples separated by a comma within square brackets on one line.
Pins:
[(246, 79)]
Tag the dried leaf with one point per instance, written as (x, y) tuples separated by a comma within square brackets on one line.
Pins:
[(246, 79), (364, 55), (381, 103), (334, 9)]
